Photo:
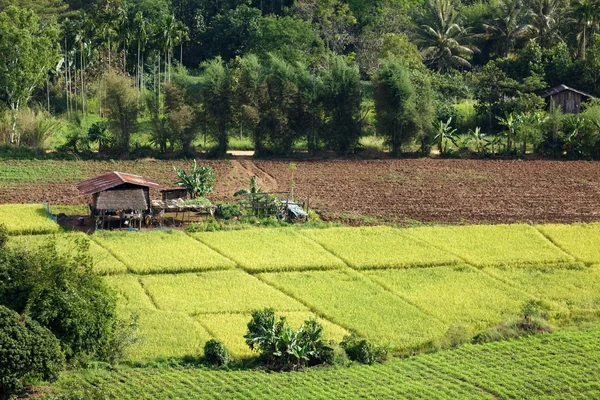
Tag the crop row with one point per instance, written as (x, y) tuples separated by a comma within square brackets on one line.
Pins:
[(563, 365)]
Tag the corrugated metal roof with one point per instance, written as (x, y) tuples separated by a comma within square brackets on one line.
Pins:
[(562, 88), (129, 199), (111, 180)]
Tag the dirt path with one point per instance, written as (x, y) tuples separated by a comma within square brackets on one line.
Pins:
[(247, 168)]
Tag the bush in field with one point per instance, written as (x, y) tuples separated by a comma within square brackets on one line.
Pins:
[(61, 292), (28, 351), (281, 347), (360, 350), (533, 321), (3, 235), (216, 353)]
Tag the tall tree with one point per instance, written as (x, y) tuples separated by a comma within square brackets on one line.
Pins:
[(441, 39), (509, 25), (584, 16), (544, 17), (395, 104), (29, 52), (217, 98), (121, 108), (341, 97)]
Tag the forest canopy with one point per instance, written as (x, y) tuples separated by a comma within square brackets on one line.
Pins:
[(281, 75)]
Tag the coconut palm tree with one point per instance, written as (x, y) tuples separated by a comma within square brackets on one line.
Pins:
[(584, 15), (442, 41), (544, 17), (509, 25)]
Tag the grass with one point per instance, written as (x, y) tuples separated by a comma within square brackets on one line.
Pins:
[(216, 292), (563, 365), (576, 288), (260, 250), (579, 240), (22, 219), (355, 303), (231, 328), (455, 294), (378, 247), (161, 252), (35, 171), (103, 262), (493, 245), (559, 366)]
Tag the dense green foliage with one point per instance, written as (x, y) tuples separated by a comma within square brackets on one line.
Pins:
[(61, 292), (216, 353), (298, 74), (282, 347), (28, 352)]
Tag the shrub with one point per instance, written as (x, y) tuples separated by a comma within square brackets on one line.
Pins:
[(360, 350), (3, 235), (28, 351), (61, 292), (216, 353), (229, 211), (533, 321), (281, 347)]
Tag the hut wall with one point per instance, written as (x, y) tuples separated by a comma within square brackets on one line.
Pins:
[(569, 102)]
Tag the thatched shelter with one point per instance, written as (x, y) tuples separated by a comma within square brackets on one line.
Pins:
[(118, 196)]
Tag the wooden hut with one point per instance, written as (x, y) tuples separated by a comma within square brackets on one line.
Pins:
[(118, 196), (568, 99)]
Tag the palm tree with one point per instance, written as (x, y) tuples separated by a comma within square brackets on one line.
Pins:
[(442, 40), (509, 25), (139, 29), (584, 15), (544, 16)]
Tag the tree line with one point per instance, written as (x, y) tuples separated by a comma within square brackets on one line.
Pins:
[(322, 73)]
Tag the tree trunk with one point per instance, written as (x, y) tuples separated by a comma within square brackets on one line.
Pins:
[(13, 126)]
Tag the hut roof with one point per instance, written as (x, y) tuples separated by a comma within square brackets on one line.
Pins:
[(128, 199), (561, 88), (111, 180)]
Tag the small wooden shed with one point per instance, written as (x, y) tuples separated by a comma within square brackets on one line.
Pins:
[(117, 195), (567, 98)]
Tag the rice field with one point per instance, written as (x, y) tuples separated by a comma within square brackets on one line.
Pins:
[(458, 294), (494, 245), (576, 288), (579, 240), (161, 252), (355, 303), (270, 250), (231, 328), (103, 262), (215, 292), (166, 335), (379, 247), (131, 295), (561, 366), (27, 219)]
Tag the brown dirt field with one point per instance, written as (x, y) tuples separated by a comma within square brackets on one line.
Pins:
[(357, 191)]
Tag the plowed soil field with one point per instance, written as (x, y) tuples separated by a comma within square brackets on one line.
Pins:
[(357, 191)]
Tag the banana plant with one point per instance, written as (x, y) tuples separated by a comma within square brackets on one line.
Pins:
[(198, 182), (445, 134), (574, 128), (478, 138)]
